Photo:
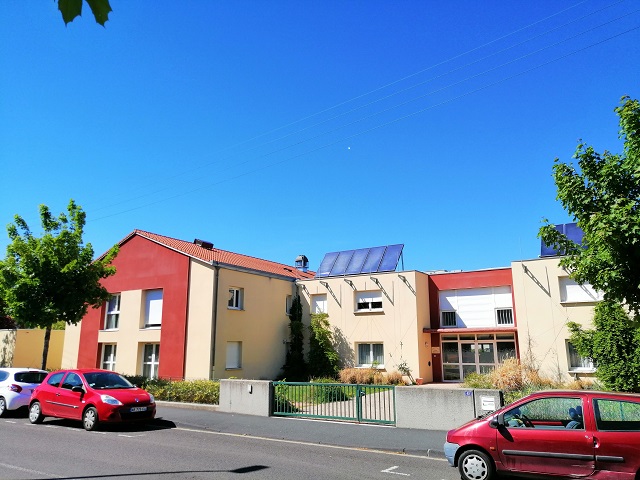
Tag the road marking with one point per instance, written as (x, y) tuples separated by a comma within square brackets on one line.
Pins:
[(10, 421), (27, 470), (389, 470), (130, 436), (296, 442)]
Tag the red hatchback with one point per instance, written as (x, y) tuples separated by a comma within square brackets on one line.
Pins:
[(91, 395), (556, 433)]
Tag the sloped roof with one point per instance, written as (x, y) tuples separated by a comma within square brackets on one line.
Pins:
[(215, 255)]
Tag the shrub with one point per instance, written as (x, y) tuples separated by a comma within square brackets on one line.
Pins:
[(328, 393), (188, 391), (370, 376)]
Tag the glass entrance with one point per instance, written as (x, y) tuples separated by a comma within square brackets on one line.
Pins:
[(470, 353)]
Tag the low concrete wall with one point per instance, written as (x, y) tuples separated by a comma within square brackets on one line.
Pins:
[(252, 397), (442, 409)]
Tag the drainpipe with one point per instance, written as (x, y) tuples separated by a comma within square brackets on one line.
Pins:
[(214, 321)]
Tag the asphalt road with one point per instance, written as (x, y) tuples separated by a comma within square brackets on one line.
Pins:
[(193, 444)]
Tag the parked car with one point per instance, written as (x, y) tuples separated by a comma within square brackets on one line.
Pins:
[(575, 433), (92, 396), (16, 385)]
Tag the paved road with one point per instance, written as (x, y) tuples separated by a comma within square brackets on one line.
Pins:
[(426, 443)]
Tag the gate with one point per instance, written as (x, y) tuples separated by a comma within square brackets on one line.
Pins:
[(337, 401)]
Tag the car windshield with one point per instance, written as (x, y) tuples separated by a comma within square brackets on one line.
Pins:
[(30, 377), (106, 380)]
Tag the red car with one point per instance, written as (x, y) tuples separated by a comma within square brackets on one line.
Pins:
[(577, 433), (91, 395)]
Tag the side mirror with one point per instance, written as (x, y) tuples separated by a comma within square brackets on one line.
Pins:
[(77, 389), (497, 421)]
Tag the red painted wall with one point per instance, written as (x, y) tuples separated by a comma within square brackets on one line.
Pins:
[(145, 265)]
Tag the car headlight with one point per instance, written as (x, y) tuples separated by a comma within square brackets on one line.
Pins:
[(151, 399), (109, 400)]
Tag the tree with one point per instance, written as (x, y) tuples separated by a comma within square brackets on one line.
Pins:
[(52, 278), (324, 361), (295, 367), (603, 196), (70, 9), (614, 346)]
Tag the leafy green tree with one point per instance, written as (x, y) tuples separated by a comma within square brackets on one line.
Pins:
[(324, 361), (603, 196), (70, 9), (295, 367), (44, 280), (614, 346)]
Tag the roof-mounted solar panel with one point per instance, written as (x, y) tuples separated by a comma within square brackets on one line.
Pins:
[(341, 263), (357, 261), (390, 259), (373, 260), (572, 231), (327, 264)]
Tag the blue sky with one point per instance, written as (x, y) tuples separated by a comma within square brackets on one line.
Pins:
[(278, 128)]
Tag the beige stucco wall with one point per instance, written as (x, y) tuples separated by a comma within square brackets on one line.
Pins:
[(7, 347), (71, 346), (262, 325), (542, 317), (399, 327), (28, 348)]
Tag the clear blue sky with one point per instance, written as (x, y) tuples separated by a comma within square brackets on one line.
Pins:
[(276, 128)]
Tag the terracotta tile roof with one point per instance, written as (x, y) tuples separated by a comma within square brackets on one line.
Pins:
[(223, 256)]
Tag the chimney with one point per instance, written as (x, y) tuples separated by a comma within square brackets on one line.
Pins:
[(302, 263), (203, 244)]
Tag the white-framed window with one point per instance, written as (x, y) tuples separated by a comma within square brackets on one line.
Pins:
[(236, 298), (234, 355), (153, 308), (370, 301), (319, 303), (287, 304), (151, 360), (572, 292), (109, 356), (474, 353), (448, 318), (112, 315), (578, 363), (504, 316), (371, 355)]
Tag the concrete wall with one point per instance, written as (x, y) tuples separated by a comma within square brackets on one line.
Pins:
[(442, 409), (251, 397)]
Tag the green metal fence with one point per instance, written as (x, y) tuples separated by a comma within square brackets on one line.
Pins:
[(338, 401)]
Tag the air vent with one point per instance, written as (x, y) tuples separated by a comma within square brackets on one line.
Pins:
[(203, 244)]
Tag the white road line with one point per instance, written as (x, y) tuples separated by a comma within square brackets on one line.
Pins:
[(27, 470), (389, 470)]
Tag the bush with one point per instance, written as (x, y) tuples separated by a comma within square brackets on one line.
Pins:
[(188, 391), (370, 376), (328, 393)]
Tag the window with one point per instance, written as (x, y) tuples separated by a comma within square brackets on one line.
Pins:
[(449, 319), (234, 355), (153, 310), (55, 379), (504, 316), (72, 380), (112, 316), (236, 299), (369, 301), (474, 353), (287, 304), (370, 354), (618, 415), (319, 303), (554, 414), (572, 292), (109, 357), (151, 360), (578, 363)]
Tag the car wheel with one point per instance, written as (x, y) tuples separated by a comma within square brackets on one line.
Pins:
[(3, 406), (35, 413), (475, 465), (90, 419)]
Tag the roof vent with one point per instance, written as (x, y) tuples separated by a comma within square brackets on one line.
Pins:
[(302, 263), (203, 244)]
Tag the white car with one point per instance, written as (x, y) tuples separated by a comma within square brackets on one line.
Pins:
[(16, 385)]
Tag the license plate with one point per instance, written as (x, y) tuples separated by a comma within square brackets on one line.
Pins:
[(138, 409)]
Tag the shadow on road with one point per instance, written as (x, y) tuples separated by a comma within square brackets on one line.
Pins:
[(248, 469), (146, 426)]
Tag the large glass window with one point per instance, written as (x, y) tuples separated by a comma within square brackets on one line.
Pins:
[(470, 353), (151, 360), (370, 355), (112, 317), (153, 310)]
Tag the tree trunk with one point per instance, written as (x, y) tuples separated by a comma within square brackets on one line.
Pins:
[(45, 348)]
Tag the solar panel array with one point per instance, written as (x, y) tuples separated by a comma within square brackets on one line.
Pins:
[(364, 260), (571, 230)]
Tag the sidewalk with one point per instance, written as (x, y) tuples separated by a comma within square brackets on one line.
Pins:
[(426, 443)]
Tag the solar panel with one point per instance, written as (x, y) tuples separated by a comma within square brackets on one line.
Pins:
[(357, 261), (340, 265), (390, 259), (327, 264), (372, 262), (573, 233)]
